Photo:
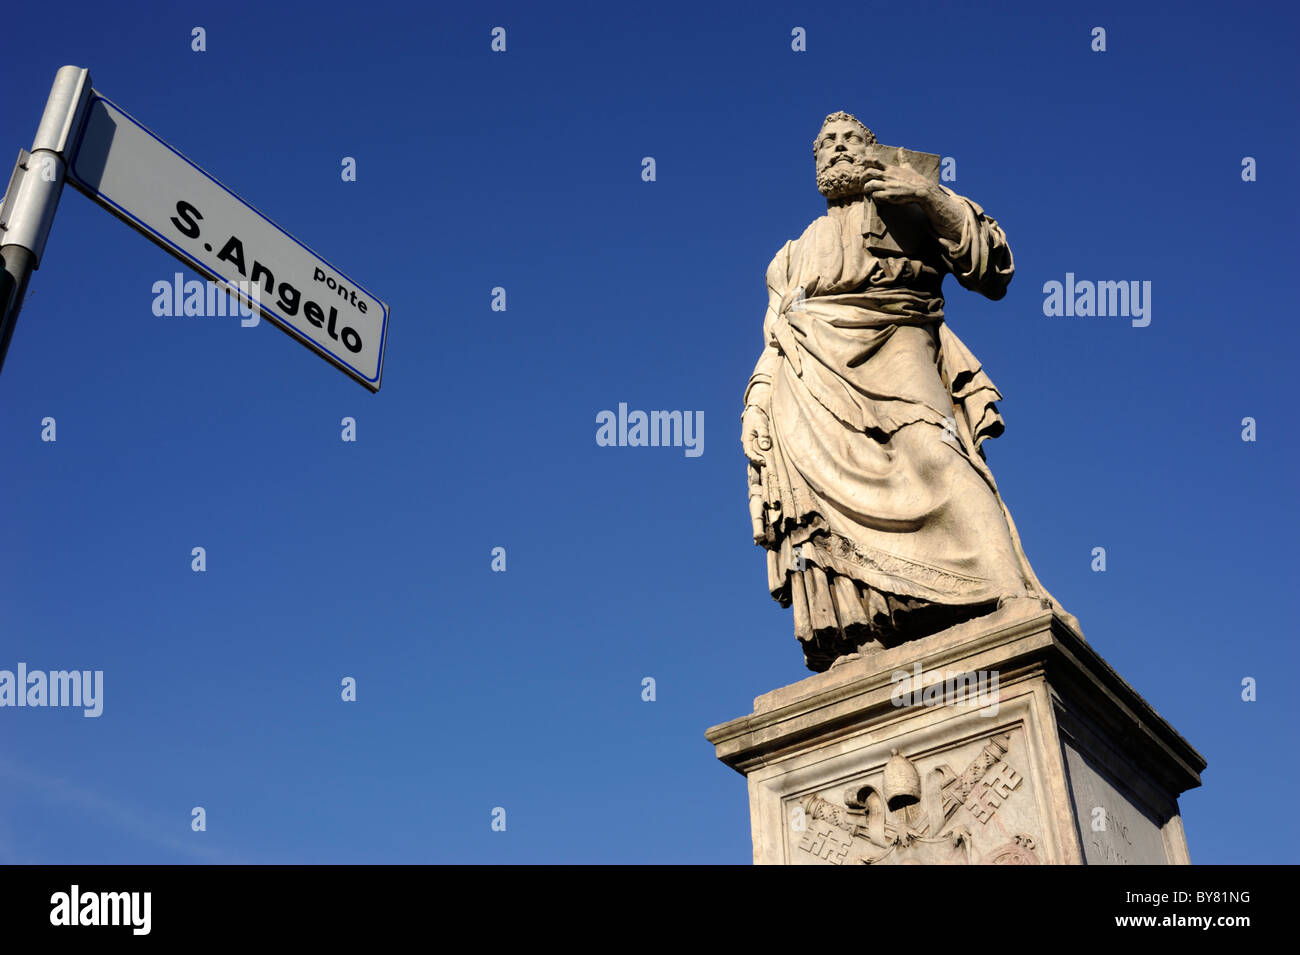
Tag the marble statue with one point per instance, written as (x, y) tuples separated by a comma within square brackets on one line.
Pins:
[(865, 416)]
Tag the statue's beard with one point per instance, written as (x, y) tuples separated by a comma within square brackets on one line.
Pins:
[(842, 179)]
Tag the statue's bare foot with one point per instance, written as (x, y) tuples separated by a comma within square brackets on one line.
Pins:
[(846, 658)]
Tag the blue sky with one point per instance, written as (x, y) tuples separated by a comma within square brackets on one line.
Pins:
[(522, 170)]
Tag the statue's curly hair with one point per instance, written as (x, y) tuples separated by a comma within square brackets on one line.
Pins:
[(848, 117)]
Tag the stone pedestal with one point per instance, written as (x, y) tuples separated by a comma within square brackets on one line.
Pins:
[(1005, 740)]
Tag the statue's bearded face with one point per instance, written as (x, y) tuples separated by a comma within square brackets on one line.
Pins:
[(841, 159)]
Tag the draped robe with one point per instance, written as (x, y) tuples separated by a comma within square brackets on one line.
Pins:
[(881, 519)]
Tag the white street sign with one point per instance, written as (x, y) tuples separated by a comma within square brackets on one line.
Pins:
[(149, 185)]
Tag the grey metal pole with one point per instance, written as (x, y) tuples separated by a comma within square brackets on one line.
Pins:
[(18, 265), (33, 194)]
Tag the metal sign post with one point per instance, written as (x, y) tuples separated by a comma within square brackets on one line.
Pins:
[(33, 194)]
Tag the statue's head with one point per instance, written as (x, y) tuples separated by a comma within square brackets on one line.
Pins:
[(841, 153)]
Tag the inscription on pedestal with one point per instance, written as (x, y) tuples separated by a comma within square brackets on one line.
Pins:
[(1113, 830)]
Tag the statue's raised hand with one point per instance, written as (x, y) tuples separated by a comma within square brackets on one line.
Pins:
[(901, 183)]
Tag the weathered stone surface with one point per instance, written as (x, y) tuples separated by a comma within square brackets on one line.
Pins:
[(1004, 740)]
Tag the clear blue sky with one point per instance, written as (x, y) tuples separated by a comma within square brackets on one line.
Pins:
[(523, 170)]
